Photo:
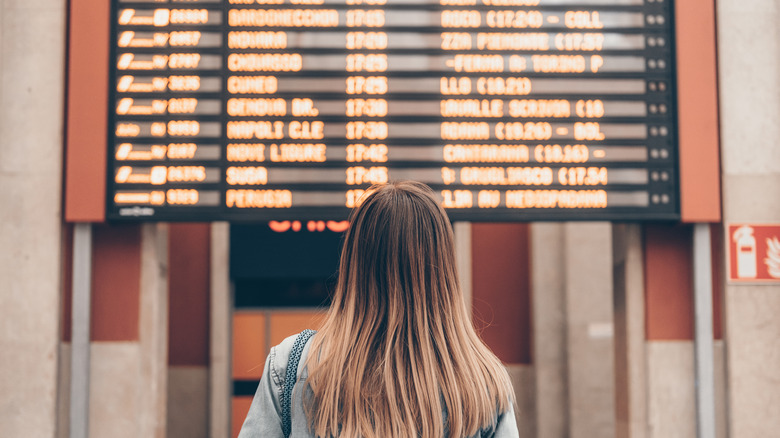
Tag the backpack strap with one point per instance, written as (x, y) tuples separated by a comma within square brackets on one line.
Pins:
[(291, 377)]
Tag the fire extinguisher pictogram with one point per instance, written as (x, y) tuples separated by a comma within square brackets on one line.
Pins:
[(747, 261)]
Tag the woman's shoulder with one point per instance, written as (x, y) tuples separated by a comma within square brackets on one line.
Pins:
[(279, 357)]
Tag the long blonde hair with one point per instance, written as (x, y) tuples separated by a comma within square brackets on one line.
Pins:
[(397, 355)]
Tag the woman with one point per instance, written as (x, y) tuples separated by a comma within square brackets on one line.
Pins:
[(397, 355)]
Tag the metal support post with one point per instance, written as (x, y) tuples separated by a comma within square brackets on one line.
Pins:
[(79, 368), (705, 375)]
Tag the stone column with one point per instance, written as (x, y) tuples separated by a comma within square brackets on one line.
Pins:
[(221, 336), (31, 119), (153, 336), (749, 68), (629, 308), (128, 371), (573, 329), (549, 329), (588, 276), (462, 232)]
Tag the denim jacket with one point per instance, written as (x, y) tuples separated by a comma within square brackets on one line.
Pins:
[(264, 419)]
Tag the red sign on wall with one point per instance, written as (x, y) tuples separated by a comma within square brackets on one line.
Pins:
[(754, 253)]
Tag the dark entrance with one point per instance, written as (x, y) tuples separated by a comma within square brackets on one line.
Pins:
[(283, 274)]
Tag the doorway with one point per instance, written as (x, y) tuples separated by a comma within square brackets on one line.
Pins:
[(282, 275)]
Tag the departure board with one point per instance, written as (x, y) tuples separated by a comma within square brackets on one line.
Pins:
[(511, 110)]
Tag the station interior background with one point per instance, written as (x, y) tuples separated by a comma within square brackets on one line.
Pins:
[(595, 320)]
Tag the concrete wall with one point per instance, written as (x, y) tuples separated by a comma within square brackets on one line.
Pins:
[(31, 121), (749, 57)]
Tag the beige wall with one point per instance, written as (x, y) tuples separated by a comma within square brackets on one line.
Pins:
[(749, 57), (31, 120)]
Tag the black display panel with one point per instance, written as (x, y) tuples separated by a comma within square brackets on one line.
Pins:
[(511, 110)]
